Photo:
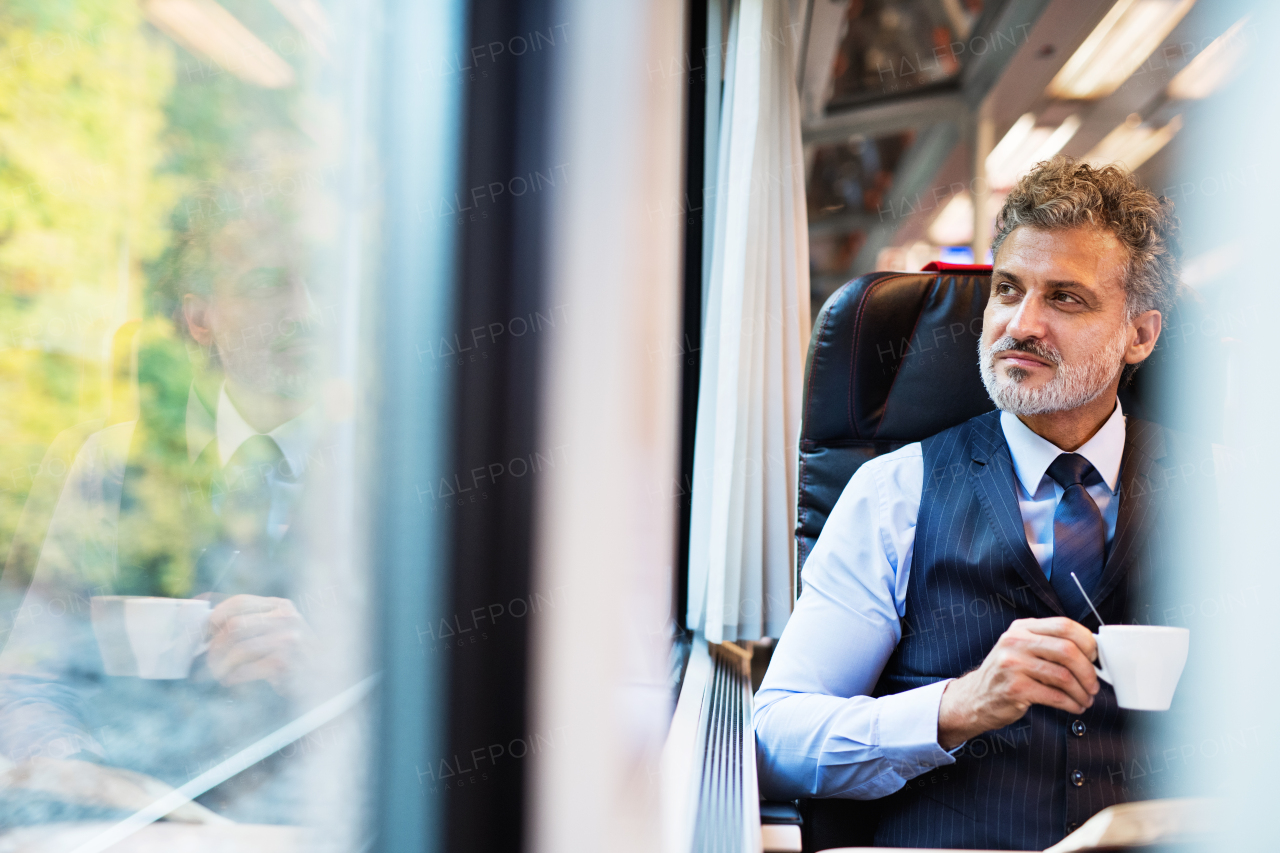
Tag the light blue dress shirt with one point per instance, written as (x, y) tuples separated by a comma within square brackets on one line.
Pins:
[(818, 731)]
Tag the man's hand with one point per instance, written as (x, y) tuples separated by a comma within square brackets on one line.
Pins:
[(1035, 662), (254, 638)]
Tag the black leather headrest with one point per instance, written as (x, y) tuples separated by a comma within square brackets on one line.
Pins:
[(893, 359)]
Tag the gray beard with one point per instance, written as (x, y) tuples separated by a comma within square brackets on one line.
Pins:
[(1072, 385), (257, 370)]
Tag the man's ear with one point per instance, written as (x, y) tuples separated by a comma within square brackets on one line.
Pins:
[(195, 310), (1146, 331)]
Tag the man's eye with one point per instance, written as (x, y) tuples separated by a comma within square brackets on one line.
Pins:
[(1004, 289)]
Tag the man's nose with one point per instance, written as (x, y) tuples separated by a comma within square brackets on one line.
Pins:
[(1028, 320)]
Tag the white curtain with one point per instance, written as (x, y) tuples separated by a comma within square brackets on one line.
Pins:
[(755, 331)]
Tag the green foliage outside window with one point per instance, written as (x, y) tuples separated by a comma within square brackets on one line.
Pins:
[(110, 138)]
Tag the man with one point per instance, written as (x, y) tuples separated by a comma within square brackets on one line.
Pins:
[(992, 730), (195, 498)]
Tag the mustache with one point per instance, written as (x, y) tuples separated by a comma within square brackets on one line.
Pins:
[(1029, 345)]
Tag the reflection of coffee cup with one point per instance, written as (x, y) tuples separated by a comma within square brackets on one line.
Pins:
[(1143, 663), (149, 637)]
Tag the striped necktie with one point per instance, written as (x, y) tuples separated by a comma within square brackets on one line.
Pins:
[(248, 476), (1079, 535)]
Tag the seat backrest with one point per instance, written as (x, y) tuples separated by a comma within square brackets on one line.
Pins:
[(894, 359)]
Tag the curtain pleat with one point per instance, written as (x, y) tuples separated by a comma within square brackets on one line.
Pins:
[(755, 328)]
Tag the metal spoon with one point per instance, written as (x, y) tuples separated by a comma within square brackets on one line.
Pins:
[(1087, 599)]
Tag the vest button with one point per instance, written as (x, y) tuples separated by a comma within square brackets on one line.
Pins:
[(1077, 778), (1072, 827), (1078, 728)]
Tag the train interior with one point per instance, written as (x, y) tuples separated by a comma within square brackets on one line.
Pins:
[(467, 359)]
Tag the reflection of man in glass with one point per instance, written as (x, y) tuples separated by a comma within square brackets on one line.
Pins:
[(259, 322), (196, 498)]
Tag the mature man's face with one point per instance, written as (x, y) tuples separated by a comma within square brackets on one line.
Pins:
[(259, 317), (1055, 335)]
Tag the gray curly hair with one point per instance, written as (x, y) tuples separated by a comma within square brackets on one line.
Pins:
[(1065, 193)]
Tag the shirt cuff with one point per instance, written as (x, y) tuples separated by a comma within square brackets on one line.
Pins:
[(909, 730)]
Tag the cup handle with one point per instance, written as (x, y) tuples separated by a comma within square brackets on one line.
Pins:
[(1101, 670)]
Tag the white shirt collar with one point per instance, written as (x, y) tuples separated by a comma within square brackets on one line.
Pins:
[(294, 437), (1032, 455)]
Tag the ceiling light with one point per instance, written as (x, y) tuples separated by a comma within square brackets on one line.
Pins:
[(1132, 143), (1011, 141), (203, 27), (1131, 30), (1215, 65), (1024, 146), (1057, 139), (954, 223)]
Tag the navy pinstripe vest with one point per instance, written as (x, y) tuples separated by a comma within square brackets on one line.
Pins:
[(1024, 786)]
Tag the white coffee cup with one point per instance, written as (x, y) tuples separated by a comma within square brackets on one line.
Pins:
[(149, 637), (1143, 663)]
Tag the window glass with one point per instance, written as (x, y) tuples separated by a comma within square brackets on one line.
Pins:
[(183, 604), (896, 46), (854, 177)]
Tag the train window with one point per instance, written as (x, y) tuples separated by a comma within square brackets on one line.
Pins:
[(197, 234)]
